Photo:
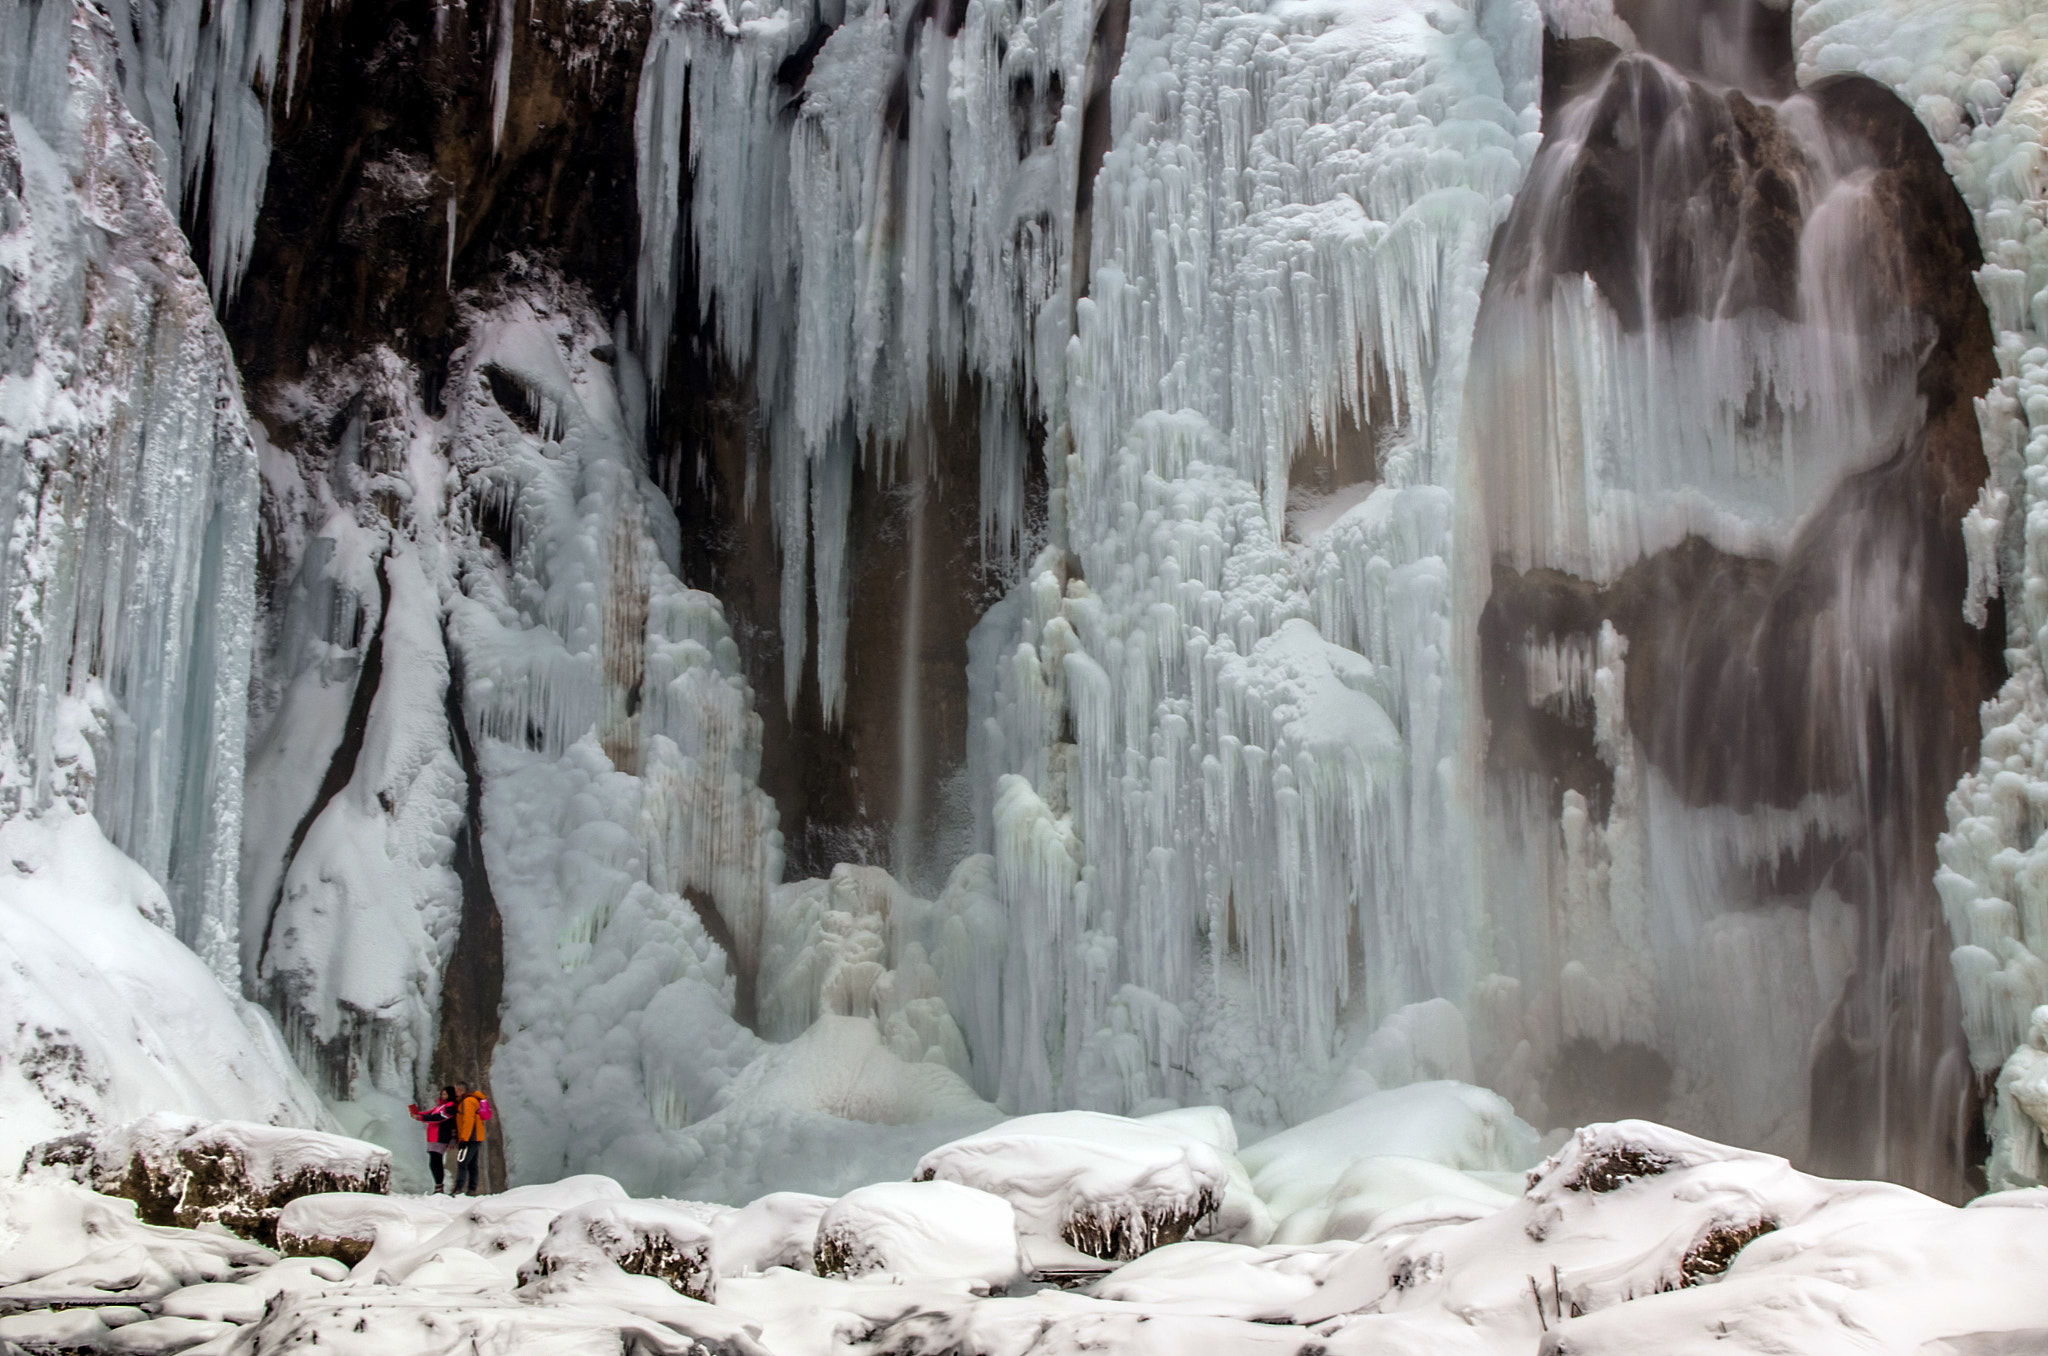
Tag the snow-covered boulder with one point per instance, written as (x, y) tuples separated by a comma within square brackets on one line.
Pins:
[(1918, 1276), (505, 1231), (215, 1302), (776, 1230), (233, 1173), (668, 1240), (64, 1246), (930, 1230), (345, 1225), (1315, 1179), (161, 1336), (54, 1330), (1622, 1211), (1108, 1186)]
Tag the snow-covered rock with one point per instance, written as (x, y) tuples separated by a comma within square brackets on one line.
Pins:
[(1320, 1179), (345, 1225), (1107, 1185), (233, 1173), (506, 1230), (215, 1302), (668, 1240), (62, 1245), (168, 1334), (776, 1230), (69, 1329), (930, 1230), (1631, 1238), (1621, 1211)]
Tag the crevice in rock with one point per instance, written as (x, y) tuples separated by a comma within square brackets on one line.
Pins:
[(473, 986), (341, 769), (745, 1006), (1105, 55)]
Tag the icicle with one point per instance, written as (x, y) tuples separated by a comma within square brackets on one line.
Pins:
[(501, 70), (448, 269)]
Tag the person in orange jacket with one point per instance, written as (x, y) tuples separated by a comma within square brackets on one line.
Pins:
[(472, 1110), (440, 1119)]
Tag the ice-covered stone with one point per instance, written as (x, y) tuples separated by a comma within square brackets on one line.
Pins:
[(345, 1225), (233, 1173), (1107, 1185), (668, 1240), (930, 1230), (776, 1230)]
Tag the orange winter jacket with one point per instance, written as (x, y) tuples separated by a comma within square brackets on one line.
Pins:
[(470, 1114)]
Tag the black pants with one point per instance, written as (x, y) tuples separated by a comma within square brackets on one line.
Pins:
[(468, 1157), (434, 1166)]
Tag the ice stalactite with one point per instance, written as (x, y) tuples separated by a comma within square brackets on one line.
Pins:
[(130, 491), (200, 77), (1245, 737), (1975, 76), (925, 242)]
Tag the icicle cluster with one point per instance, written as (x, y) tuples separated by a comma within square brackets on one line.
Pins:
[(127, 483), (201, 77), (920, 186), (1202, 766)]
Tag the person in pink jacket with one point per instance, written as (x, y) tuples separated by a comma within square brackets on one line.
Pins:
[(440, 1120)]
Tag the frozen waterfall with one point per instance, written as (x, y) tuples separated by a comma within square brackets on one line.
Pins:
[(1249, 554)]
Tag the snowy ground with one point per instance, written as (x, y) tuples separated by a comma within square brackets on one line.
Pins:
[(1630, 1238)]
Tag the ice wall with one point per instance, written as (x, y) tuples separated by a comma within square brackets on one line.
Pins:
[(130, 485), (1976, 75), (1208, 756)]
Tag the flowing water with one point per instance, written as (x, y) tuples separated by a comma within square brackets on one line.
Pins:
[(1724, 663)]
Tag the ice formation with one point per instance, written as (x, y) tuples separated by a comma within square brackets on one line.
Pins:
[(1974, 73), (1229, 738), (490, 679)]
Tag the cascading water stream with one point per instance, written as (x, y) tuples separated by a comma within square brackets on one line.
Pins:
[(1720, 402)]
